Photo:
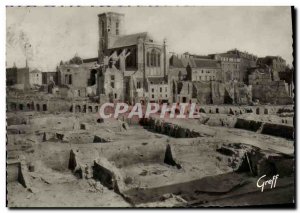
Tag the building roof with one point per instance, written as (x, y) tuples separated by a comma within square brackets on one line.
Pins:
[(35, 71), (156, 80), (184, 61), (129, 40), (206, 63), (229, 55), (88, 60)]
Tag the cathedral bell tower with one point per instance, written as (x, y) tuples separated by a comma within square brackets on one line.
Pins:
[(110, 29)]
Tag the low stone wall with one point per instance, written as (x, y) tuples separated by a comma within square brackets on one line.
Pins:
[(248, 124), (278, 130), (273, 129), (170, 129)]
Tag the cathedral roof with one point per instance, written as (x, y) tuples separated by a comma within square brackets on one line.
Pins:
[(129, 40)]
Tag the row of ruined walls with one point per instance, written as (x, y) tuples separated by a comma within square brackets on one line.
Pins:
[(51, 106), (222, 93), (84, 107)]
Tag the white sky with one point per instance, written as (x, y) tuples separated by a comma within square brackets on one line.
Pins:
[(57, 33)]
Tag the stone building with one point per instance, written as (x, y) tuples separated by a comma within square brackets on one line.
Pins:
[(205, 70), (79, 75), (35, 77), (235, 64), (267, 90), (288, 76), (275, 63), (196, 68), (158, 90), (137, 57), (190, 78)]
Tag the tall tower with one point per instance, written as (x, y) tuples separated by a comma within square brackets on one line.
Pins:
[(110, 29)]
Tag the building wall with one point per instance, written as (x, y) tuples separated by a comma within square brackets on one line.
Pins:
[(113, 84), (230, 68), (11, 76), (158, 92), (274, 92), (23, 76), (74, 75), (206, 74), (35, 78), (184, 91), (259, 78)]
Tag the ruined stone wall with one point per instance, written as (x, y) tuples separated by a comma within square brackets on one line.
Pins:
[(273, 92), (185, 90), (218, 92), (113, 84), (203, 92), (243, 93), (80, 75)]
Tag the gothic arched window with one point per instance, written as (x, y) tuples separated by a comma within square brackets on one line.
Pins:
[(153, 58)]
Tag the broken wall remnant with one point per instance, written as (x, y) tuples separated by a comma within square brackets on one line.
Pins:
[(17, 171), (248, 124), (278, 130), (258, 162), (271, 92), (170, 129), (169, 159)]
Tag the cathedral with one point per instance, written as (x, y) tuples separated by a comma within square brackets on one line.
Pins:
[(134, 67)]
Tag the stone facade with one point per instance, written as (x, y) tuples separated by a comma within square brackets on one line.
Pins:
[(275, 63), (235, 64), (137, 57), (35, 77), (267, 90)]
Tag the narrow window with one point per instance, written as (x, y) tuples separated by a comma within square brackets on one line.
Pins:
[(158, 59), (148, 59), (117, 28)]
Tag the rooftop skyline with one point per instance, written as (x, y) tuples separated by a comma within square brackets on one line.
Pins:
[(51, 34)]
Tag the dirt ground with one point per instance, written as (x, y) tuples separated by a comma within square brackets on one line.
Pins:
[(195, 175)]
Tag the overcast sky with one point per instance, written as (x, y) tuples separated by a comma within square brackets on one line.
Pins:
[(52, 34)]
